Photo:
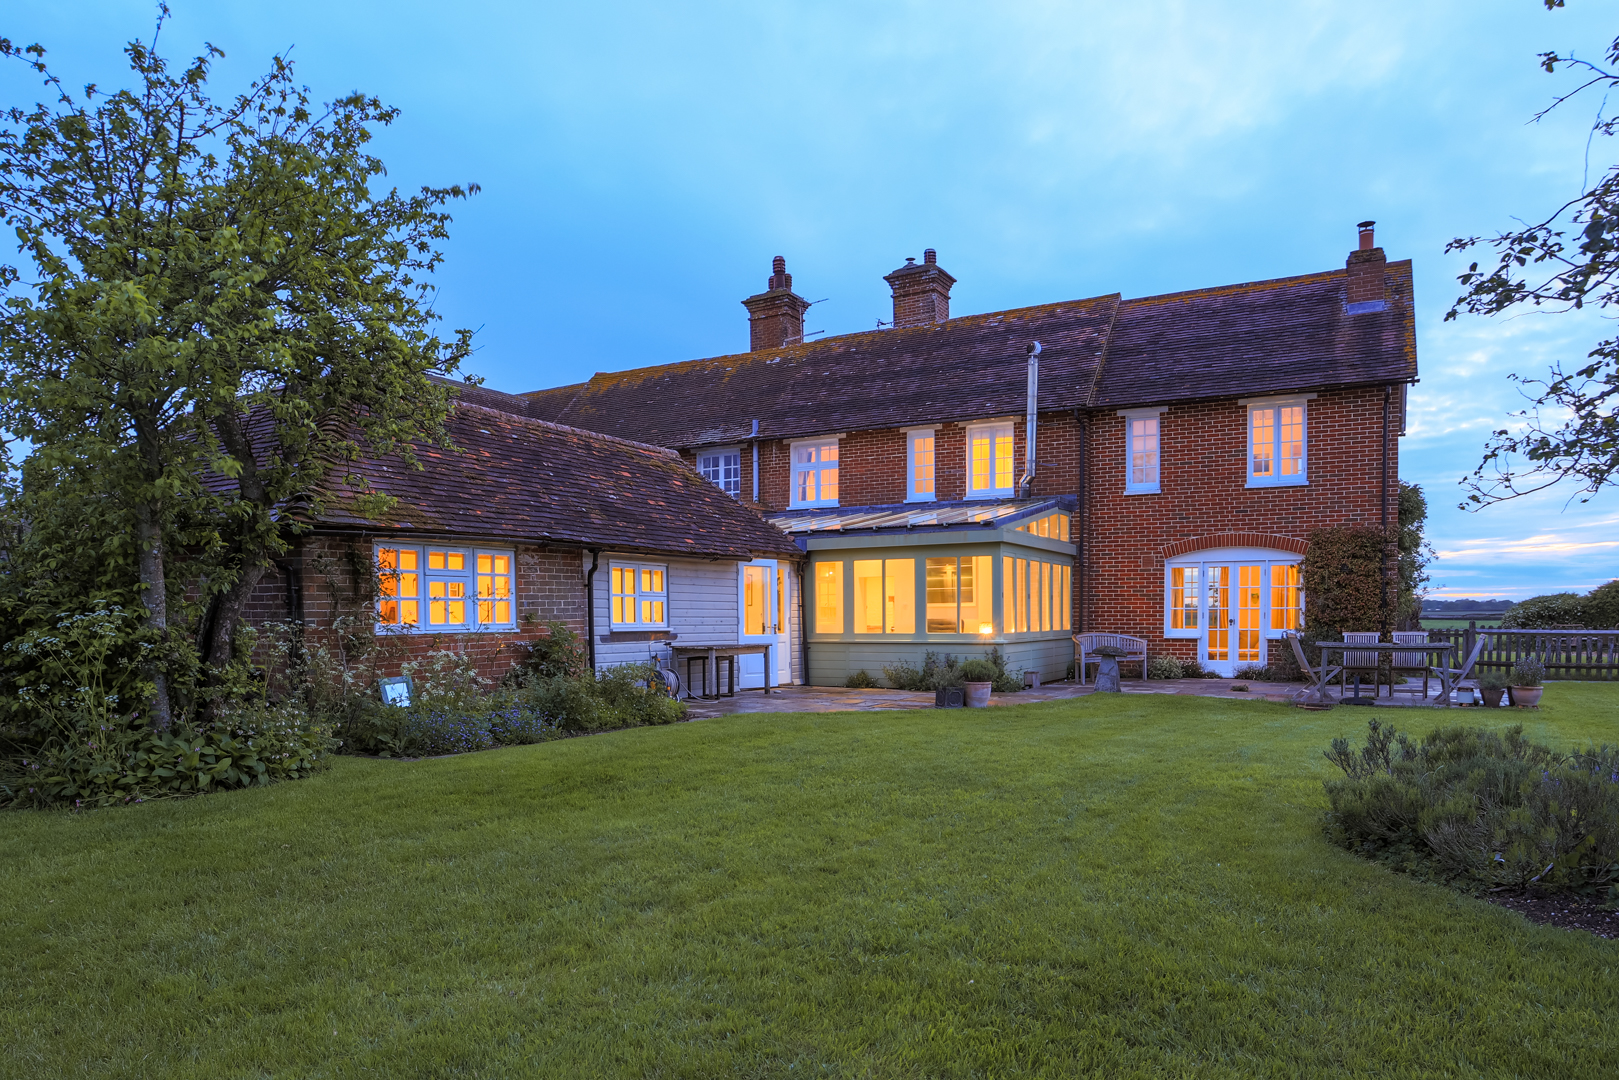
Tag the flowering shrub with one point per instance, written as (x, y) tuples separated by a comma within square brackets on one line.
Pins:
[(1481, 807)]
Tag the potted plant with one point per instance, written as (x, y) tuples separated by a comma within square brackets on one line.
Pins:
[(1526, 678), (1491, 687), (979, 676)]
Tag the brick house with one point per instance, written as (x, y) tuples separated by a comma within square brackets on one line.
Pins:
[(1185, 446), (531, 522)]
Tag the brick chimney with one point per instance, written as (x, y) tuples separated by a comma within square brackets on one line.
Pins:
[(921, 293), (1365, 266), (776, 316)]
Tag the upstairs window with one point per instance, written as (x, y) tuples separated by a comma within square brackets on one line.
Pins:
[(435, 589), (919, 466), (1278, 442), (1141, 450), (989, 460), (640, 595), (723, 469), (815, 473)]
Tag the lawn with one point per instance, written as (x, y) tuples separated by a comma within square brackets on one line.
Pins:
[(1114, 886)]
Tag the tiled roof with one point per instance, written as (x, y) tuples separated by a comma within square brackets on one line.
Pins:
[(958, 370), (1265, 337), (1284, 335), (523, 480)]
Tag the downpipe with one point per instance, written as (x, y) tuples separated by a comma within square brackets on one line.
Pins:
[(1029, 419)]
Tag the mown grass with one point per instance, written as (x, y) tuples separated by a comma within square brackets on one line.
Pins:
[(1116, 886)]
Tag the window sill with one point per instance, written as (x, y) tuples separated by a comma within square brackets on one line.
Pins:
[(394, 628), (1143, 489), (1278, 483), (638, 628), (921, 498), (1188, 635), (812, 506), (1005, 493)]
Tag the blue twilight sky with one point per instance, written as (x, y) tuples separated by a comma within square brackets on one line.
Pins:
[(641, 163)]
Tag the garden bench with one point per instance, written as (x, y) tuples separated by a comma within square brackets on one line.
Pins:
[(1085, 646)]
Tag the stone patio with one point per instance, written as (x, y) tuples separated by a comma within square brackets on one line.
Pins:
[(784, 699)]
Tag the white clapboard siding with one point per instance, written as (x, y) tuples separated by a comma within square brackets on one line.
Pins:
[(704, 609)]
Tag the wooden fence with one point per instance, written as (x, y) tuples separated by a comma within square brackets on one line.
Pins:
[(1567, 654)]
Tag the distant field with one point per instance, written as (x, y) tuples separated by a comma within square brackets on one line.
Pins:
[(1460, 624)]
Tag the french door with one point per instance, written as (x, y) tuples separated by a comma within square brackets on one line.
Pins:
[(1234, 609), (763, 602)]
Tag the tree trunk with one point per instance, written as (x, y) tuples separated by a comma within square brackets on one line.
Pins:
[(155, 595), (255, 540)]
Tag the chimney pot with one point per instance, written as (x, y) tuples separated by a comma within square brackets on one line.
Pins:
[(921, 292), (776, 316), (1364, 274)]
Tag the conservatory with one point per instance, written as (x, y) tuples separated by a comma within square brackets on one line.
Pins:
[(889, 584)]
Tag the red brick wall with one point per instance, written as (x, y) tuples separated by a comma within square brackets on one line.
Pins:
[(337, 587), (1204, 501), (1203, 495)]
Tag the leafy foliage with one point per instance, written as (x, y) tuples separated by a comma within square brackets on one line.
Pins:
[(1345, 582), (1528, 672), (223, 304), (1596, 610), (860, 680), (1480, 807), (1565, 261), (1164, 667)]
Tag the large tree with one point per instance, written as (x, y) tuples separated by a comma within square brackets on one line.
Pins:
[(213, 307), (1567, 260)]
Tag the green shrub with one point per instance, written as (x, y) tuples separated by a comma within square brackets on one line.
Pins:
[(1480, 807), (1164, 667), (1545, 612), (1005, 681), (860, 680), (561, 653), (903, 675), (938, 671), (978, 671), (630, 698), (1527, 672)]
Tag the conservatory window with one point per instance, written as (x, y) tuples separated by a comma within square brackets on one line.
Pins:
[(829, 597), (885, 596)]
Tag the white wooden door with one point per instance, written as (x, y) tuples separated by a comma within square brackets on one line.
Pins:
[(761, 608)]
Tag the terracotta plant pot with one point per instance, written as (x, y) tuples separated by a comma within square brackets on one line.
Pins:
[(978, 695), (1527, 697)]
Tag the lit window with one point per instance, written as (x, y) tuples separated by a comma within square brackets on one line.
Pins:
[(989, 460), (639, 595), (829, 597), (885, 596), (919, 467), (1183, 592), (1278, 443), (454, 588), (815, 473), (722, 468), (1052, 525), (1285, 610)]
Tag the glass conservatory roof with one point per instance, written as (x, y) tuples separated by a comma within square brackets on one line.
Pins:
[(918, 516)]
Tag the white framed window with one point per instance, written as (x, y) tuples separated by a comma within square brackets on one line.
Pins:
[(722, 468), (1238, 595), (1142, 428), (919, 465), (640, 595), (435, 588), (1278, 441), (989, 460), (815, 473)]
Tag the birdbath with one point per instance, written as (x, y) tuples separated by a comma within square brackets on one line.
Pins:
[(1107, 672)]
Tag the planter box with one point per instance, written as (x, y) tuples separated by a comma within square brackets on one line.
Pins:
[(949, 697)]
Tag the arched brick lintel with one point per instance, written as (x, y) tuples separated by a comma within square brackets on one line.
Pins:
[(1235, 539)]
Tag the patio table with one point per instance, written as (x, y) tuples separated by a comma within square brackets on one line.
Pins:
[(710, 656), (1448, 676)]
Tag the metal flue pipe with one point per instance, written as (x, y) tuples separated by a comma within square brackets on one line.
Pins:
[(1027, 482)]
